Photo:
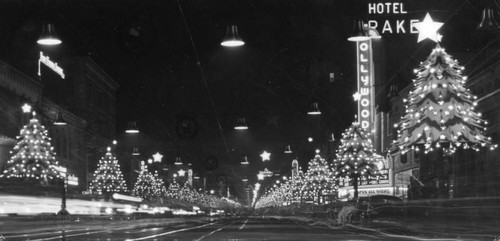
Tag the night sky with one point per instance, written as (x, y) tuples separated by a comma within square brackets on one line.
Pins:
[(172, 69)]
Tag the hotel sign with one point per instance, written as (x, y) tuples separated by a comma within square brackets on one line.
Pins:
[(365, 95), (390, 18)]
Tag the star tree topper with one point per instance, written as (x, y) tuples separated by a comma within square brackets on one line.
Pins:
[(266, 156), (428, 29)]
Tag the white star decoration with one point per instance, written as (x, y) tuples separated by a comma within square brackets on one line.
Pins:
[(428, 29), (26, 108), (357, 96), (181, 173), (266, 156), (157, 157)]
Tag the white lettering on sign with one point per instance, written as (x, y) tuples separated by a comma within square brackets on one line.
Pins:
[(365, 83), (72, 180), (381, 8), (52, 65), (392, 26)]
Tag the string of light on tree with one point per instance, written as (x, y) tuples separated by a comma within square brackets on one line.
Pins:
[(108, 177), (32, 156)]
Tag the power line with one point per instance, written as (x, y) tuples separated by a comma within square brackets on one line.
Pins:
[(203, 77)]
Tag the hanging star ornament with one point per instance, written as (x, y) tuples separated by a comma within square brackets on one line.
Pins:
[(266, 156), (428, 29), (157, 157)]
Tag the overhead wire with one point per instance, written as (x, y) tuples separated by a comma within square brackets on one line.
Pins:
[(204, 79)]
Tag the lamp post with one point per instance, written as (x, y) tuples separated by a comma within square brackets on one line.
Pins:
[(64, 187)]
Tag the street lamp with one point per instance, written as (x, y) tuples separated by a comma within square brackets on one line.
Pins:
[(48, 36), (232, 38), (361, 32), (314, 109), (132, 128), (59, 120), (241, 124)]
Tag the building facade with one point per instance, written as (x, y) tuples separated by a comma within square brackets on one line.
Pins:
[(86, 100)]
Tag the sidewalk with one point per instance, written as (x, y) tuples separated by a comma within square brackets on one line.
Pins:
[(433, 228), (424, 229)]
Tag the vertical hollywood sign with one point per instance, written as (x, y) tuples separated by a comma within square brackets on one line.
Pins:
[(365, 83)]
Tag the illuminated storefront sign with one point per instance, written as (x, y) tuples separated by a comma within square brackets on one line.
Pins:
[(72, 180), (365, 192), (295, 168), (383, 178), (390, 18), (266, 173), (365, 96), (52, 65), (375, 191)]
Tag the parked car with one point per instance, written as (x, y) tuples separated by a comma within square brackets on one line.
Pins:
[(379, 206), (380, 200)]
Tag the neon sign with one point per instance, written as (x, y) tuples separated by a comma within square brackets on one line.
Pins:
[(52, 65), (365, 96), (391, 25)]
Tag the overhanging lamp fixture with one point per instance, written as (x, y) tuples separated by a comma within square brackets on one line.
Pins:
[(241, 124), (232, 38), (488, 20), (59, 120), (314, 109), (393, 91), (49, 36), (288, 149), (135, 152), (331, 138), (358, 32), (132, 128), (245, 161), (178, 161)]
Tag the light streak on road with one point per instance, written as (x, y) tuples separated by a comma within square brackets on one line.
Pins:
[(171, 232)]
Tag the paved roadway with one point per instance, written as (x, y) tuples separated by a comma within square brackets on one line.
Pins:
[(235, 229)]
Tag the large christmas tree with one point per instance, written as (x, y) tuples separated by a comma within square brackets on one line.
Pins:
[(32, 156), (108, 177), (145, 185), (319, 178), (355, 156), (440, 110)]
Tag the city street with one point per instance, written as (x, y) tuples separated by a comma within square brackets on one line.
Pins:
[(250, 120), (254, 228)]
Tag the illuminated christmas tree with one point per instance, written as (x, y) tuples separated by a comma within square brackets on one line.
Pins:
[(145, 185), (173, 189), (355, 156), (32, 156), (108, 177), (159, 186), (440, 110), (319, 178), (297, 182)]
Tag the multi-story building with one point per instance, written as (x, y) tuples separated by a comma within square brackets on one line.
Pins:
[(86, 100)]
